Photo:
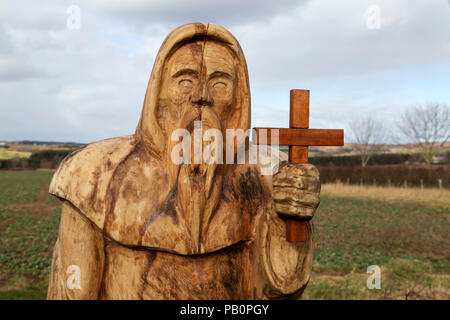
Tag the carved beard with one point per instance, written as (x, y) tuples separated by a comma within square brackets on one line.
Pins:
[(198, 185)]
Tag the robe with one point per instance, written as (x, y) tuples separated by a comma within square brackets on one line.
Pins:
[(123, 230)]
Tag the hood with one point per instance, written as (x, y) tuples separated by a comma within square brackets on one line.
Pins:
[(148, 131)]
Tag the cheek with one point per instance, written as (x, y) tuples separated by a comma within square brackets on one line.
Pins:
[(223, 98), (176, 93), (174, 99)]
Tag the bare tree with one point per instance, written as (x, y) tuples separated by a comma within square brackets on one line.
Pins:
[(427, 126), (367, 132)]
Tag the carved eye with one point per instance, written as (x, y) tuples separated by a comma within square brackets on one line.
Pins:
[(219, 85), (186, 85)]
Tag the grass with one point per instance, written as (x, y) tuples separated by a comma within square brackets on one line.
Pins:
[(412, 150), (429, 196), (395, 284), (353, 232), (29, 222), (404, 231), (22, 288), (14, 154)]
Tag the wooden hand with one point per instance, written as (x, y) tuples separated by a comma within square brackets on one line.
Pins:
[(296, 191)]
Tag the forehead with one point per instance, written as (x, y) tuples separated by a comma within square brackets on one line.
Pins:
[(214, 55)]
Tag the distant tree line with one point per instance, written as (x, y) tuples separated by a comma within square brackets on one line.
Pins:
[(375, 159), (384, 170), (46, 143), (388, 175), (427, 126), (45, 159)]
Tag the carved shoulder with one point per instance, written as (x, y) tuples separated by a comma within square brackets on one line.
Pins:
[(83, 176)]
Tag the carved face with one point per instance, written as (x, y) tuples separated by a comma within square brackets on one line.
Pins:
[(199, 75), (198, 83)]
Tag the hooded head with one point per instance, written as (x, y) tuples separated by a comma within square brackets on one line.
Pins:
[(199, 73)]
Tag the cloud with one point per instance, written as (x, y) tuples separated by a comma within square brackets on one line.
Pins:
[(13, 69), (173, 13), (89, 84), (6, 47), (322, 41), (43, 15)]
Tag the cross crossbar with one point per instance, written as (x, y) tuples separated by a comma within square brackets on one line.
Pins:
[(298, 137)]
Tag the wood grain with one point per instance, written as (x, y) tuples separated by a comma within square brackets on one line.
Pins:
[(299, 109), (296, 230), (303, 137), (298, 118), (298, 154)]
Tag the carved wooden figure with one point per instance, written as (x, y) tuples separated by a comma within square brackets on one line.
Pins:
[(139, 226)]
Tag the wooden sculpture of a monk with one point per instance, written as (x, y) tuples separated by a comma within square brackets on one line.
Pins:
[(136, 225)]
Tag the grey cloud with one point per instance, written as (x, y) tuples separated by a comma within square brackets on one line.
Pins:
[(173, 13), (15, 70), (89, 84), (318, 43), (5, 41), (43, 15)]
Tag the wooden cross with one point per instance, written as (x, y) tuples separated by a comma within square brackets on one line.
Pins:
[(298, 137)]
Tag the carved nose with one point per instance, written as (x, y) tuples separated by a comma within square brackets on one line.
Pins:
[(201, 97)]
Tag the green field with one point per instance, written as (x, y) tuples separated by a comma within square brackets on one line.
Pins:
[(14, 154), (29, 221), (408, 240)]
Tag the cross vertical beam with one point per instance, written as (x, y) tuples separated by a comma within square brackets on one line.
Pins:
[(298, 119), (298, 137)]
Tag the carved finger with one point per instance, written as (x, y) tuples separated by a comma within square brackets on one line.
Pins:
[(296, 202), (311, 184), (296, 197), (287, 169), (296, 213)]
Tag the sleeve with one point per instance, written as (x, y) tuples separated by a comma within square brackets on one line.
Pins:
[(287, 265), (283, 268), (78, 258)]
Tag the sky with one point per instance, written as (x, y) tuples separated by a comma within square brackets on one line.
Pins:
[(78, 70)]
